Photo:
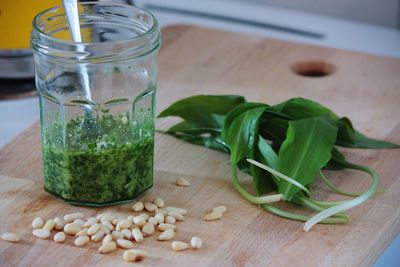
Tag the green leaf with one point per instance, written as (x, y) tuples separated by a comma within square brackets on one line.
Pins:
[(117, 100), (83, 102), (241, 133), (301, 108), (263, 181), (205, 141), (238, 110), (186, 127), (305, 151), (349, 137), (337, 161), (203, 110)]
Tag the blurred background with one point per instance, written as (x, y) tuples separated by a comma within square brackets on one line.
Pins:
[(370, 26)]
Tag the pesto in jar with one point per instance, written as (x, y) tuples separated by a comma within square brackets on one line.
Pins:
[(98, 161)]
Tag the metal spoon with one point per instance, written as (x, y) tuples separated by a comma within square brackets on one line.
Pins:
[(71, 10)]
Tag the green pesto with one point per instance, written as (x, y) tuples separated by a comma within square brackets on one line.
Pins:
[(99, 161)]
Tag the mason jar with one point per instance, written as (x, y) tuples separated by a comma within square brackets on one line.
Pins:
[(97, 102)]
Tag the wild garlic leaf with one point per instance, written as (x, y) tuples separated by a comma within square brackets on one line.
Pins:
[(83, 102), (205, 141), (300, 108), (263, 181), (349, 137), (236, 111), (203, 110), (117, 100), (240, 135), (305, 151), (186, 127), (269, 156)]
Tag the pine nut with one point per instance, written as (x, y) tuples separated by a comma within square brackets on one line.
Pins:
[(170, 219), (97, 236), (179, 246), (133, 255), (93, 229), (117, 235), (99, 216), (166, 226), (139, 221), (220, 209), (212, 216), (133, 227), (41, 233), (107, 247), (196, 242), (150, 206), (49, 225), (159, 202), (107, 217), (182, 181), (108, 225), (127, 234), (91, 221), (153, 221), (148, 229), (10, 237), (59, 237), (137, 235), (166, 235), (124, 224), (176, 210), (138, 206), (59, 223), (177, 216), (159, 217), (81, 241), (108, 238), (123, 243), (68, 218), (161, 211), (37, 223), (105, 229), (83, 232), (72, 229), (116, 221), (79, 222)]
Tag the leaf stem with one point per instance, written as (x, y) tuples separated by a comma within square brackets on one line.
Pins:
[(337, 189), (249, 197), (299, 217), (280, 175), (310, 204), (348, 204)]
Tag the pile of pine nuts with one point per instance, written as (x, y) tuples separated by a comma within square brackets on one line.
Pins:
[(112, 232)]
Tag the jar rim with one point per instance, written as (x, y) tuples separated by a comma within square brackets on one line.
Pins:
[(152, 29)]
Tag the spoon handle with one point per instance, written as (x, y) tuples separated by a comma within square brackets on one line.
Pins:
[(71, 9)]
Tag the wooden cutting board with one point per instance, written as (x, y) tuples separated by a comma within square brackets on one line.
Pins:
[(194, 60)]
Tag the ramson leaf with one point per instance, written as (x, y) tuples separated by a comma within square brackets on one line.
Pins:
[(305, 151)]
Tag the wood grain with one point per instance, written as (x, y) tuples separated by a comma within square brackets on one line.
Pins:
[(203, 61)]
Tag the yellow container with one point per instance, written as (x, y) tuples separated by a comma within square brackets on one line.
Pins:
[(16, 21)]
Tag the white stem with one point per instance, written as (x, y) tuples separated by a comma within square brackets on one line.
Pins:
[(280, 175)]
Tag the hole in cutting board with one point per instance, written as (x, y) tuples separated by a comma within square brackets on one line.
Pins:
[(313, 69)]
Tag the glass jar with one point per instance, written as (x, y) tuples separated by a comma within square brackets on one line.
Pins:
[(97, 102)]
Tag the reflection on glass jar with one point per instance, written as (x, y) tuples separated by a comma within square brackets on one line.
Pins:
[(97, 102)]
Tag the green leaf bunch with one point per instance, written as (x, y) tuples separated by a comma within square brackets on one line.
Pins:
[(284, 147)]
